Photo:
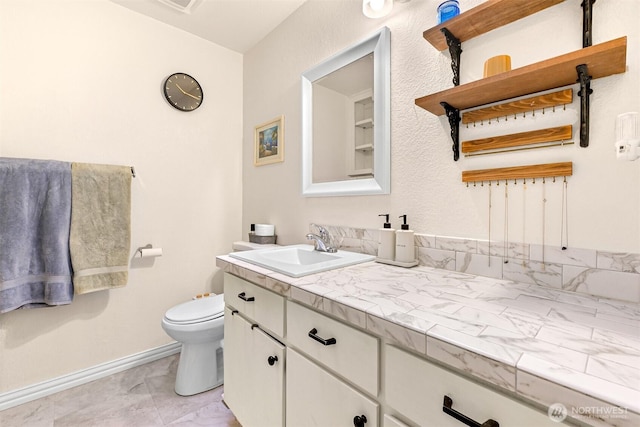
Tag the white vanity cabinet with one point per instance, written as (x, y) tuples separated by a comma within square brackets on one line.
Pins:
[(416, 388), (319, 371), (254, 359)]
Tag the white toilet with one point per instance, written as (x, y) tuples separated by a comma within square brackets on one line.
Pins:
[(199, 325)]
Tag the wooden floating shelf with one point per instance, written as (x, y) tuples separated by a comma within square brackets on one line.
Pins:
[(484, 18), (602, 60), (561, 133), (519, 172), (548, 100)]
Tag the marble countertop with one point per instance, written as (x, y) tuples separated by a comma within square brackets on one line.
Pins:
[(546, 345)]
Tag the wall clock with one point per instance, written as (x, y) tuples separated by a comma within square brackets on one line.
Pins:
[(183, 92)]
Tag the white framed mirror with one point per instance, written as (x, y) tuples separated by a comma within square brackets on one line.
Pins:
[(346, 121)]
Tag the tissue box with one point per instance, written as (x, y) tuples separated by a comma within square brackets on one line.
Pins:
[(265, 230)]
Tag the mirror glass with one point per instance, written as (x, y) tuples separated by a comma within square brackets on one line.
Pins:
[(345, 121)]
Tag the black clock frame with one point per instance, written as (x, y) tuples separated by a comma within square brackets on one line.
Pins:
[(166, 95)]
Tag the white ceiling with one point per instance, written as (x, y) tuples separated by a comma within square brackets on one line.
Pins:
[(234, 24)]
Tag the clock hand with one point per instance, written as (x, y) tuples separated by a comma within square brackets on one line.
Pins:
[(194, 97), (187, 93)]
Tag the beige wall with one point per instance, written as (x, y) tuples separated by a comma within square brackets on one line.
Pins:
[(603, 194), (81, 81)]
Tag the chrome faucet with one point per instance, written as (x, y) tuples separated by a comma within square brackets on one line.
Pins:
[(322, 240)]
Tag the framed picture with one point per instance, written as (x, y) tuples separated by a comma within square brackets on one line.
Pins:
[(269, 142)]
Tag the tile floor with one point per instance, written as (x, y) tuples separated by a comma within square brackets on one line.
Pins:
[(139, 397)]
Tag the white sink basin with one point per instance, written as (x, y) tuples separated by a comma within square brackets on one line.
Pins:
[(300, 260)]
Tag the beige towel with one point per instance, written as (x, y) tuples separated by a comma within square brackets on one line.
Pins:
[(100, 235)]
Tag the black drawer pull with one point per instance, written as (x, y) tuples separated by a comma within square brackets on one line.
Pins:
[(272, 360), (359, 420), (243, 296), (312, 334), (446, 408)]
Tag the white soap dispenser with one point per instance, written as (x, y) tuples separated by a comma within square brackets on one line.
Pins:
[(405, 245), (386, 241)]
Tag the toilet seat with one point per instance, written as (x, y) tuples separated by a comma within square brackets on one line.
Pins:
[(196, 311)]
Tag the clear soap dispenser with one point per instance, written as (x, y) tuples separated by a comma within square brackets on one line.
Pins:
[(386, 240), (405, 245)]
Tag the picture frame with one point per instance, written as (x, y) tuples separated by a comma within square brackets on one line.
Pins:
[(269, 142)]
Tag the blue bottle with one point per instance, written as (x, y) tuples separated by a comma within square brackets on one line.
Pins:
[(448, 10)]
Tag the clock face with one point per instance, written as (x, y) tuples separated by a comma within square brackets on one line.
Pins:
[(183, 92)]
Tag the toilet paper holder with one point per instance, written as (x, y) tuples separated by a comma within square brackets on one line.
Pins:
[(148, 251)]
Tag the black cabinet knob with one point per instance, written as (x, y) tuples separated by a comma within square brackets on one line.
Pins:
[(359, 420), (272, 360)]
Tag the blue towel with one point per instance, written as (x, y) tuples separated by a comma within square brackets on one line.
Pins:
[(35, 218)]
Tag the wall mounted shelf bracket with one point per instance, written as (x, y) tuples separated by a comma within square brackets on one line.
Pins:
[(587, 27), (453, 114), (585, 90), (455, 49), (583, 75)]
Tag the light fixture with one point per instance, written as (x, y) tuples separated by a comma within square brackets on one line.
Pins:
[(184, 6), (376, 8)]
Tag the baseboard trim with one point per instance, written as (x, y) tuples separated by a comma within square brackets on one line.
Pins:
[(46, 388)]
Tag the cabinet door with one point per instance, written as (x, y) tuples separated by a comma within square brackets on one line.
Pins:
[(254, 373), (317, 398), (416, 388), (234, 361)]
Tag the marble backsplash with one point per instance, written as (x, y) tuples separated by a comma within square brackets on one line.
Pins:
[(599, 273)]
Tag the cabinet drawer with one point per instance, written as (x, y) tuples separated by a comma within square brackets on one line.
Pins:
[(416, 388), (317, 398), (347, 351), (258, 304)]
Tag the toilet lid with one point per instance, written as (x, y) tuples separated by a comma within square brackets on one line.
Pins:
[(197, 310)]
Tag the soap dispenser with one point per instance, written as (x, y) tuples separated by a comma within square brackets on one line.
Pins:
[(386, 240), (252, 233), (405, 245)]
